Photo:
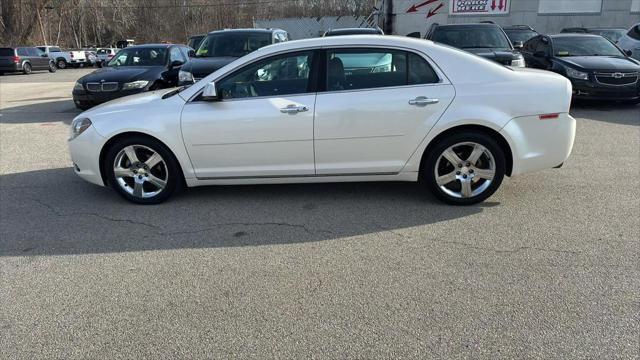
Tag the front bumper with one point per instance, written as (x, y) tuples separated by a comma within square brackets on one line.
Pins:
[(85, 154), (539, 144), (589, 90), (83, 97)]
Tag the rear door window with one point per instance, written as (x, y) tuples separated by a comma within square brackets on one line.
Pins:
[(22, 52), (354, 69)]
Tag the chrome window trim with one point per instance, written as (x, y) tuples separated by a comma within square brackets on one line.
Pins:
[(441, 75)]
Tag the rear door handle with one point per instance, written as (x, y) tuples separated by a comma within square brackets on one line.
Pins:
[(294, 109), (423, 101)]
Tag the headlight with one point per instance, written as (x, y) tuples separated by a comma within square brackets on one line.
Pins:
[(78, 86), (78, 126), (519, 62), (135, 85), (573, 73), (185, 77)]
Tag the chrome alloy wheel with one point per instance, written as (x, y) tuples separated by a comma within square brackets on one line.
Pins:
[(140, 171), (465, 170)]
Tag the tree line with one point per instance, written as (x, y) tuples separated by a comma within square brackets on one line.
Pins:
[(87, 23)]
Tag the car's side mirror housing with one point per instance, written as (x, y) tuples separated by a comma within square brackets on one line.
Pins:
[(192, 53), (210, 93), (628, 52), (518, 45), (540, 54), (175, 64)]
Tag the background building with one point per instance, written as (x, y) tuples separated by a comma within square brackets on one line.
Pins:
[(548, 16)]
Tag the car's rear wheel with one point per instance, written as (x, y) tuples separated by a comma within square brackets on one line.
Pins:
[(142, 170), (52, 67), (465, 168), (61, 64), (26, 68)]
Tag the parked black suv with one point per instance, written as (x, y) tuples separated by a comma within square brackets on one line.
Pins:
[(24, 60), (485, 39), (519, 34), (132, 70), (222, 47), (598, 69)]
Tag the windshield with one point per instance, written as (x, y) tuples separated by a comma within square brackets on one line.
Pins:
[(233, 45), (139, 57), (472, 37), (584, 46), (520, 35), (611, 34)]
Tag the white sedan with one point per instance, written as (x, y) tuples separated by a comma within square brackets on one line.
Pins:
[(335, 109)]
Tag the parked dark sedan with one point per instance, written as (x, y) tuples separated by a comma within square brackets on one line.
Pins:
[(132, 70), (519, 34), (222, 47), (613, 34), (598, 69), (485, 39)]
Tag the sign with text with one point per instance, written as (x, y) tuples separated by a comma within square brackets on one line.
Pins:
[(479, 7)]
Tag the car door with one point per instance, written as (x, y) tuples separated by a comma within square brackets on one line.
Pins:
[(38, 58), (378, 106), (262, 125)]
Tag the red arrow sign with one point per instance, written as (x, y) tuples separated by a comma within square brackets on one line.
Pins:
[(493, 5), (502, 5), (414, 7), (434, 11)]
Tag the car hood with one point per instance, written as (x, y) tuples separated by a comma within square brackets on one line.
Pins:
[(611, 63), (123, 74), (201, 67), (126, 102)]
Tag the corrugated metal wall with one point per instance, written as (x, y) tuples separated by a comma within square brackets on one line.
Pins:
[(303, 28)]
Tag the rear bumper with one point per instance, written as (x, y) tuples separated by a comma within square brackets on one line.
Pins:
[(539, 144), (11, 68)]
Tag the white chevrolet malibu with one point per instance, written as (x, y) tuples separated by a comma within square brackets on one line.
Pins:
[(352, 108)]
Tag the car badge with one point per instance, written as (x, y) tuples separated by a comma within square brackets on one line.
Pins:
[(618, 75), (103, 80)]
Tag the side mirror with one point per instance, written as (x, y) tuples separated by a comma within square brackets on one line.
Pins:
[(210, 93), (176, 63), (540, 54), (192, 53), (628, 52), (518, 45)]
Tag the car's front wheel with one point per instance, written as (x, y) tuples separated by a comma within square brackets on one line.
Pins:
[(52, 67), (26, 68), (465, 168), (142, 170), (61, 64)]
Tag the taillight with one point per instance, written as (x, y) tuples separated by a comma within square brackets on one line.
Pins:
[(16, 59), (71, 54)]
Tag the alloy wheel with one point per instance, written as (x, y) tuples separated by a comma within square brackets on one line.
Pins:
[(140, 171), (465, 170)]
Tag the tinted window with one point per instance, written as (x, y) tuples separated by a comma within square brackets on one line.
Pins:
[(233, 44), (584, 46), (55, 49), (35, 52), (420, 72), (140, 57), (530, 46), (634, 33), (22, 52), (6, 52), (276, 76), (43, 48), (467, 37), (520, 35), (611, 34)]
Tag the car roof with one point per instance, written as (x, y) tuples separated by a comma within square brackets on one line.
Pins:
[(468, 25), (354, 40), (568, 35), (367, 30), (248, 30), (142, 46)]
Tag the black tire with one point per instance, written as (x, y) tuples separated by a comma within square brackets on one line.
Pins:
[(428, 168), (26, 68), (170, 168), (52, 67), (99, 63), (61, 64), (83, 105)]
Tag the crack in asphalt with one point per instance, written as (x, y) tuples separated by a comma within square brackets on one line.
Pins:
[(160, 230)]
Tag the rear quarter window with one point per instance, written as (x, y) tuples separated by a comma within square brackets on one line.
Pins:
[(7, 52)]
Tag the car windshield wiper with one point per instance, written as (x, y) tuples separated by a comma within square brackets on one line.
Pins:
[(478, 47)]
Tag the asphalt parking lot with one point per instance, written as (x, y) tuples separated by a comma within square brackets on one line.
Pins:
[(546, 268)]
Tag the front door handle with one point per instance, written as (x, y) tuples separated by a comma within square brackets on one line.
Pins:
[(294, 109), (423, 101)]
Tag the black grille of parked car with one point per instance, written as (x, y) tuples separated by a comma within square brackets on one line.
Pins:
[(104, 87), (617, 78)]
